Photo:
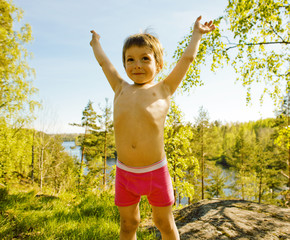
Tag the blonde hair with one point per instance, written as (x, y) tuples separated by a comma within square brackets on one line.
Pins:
[(144, 40)]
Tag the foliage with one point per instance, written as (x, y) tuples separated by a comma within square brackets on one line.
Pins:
[(16, 91), (256, 161), (206, 146), (67, 137), (252, 37), (183, 166), (282, 137), (284, 123), (217, 183), (97, 145), (35, 157), (16, 103), (15, 148)]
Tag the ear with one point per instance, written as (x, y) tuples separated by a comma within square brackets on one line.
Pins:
[(159, 67)]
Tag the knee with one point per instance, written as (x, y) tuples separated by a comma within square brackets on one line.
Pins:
[(129, 225), (164, 225)]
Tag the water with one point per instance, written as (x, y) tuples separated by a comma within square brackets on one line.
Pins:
[(76, 151), (72, 149)]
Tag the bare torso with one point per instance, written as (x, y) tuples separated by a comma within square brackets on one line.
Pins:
[(139, 117)]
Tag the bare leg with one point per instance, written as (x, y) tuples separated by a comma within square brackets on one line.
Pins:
[(130, 219), (164, 221)]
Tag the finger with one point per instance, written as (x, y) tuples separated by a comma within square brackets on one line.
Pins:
[(199, 18), (205, 23)]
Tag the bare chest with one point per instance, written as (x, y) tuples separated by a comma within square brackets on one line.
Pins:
[(134, 105)]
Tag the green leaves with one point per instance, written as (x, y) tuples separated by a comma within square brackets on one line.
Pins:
[(16, 90), (181, 163), (252, 37)]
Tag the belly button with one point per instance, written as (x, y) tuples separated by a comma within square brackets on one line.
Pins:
[(133, 146)]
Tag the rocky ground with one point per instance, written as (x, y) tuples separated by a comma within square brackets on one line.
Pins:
[(230, 219)]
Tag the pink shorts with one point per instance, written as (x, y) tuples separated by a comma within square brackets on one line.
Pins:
[(132, 183)]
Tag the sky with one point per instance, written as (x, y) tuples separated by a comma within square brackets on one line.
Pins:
[(68, 76)]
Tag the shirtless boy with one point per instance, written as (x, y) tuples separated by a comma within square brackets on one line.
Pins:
[(140, 110)]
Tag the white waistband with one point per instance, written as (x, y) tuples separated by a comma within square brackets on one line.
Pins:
[(144, 169)]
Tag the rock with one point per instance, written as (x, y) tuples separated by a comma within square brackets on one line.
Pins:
[(231, 219)]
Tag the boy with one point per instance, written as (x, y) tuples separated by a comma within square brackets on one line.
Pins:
[(140, 110)]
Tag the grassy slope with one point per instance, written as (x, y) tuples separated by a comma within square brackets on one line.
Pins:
[(26, 216)]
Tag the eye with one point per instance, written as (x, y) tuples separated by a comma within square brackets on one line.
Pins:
[(146, 58), (130, 60)]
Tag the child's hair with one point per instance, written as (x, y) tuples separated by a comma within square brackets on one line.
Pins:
[(145, 40)]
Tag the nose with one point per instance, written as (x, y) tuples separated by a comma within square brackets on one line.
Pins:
[(138, 64)]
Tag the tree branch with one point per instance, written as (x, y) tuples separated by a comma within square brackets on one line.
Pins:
[(254, 44), (284, 6), (284, 174), (276, 32)]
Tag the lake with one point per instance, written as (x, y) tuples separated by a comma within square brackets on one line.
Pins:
[(75, 151)]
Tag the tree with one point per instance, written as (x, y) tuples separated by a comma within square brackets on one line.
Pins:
[(106, 135), (201, 146), (15, 153), (16, 91), (253, 37), (283, 136), (89, 123), (265, 168), (241, 159), (97, 142), (217, 183), (183, 166), (15, 88), (62, 172)]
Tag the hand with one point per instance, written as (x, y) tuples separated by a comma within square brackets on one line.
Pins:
[(203, 28), (95, 38)]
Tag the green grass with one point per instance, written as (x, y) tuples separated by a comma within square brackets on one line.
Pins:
[(25, 216)]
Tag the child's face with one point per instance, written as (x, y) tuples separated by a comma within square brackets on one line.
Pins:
[(141, 66)]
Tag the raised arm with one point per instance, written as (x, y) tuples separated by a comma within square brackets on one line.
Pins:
[(109, 70), (175, 77)]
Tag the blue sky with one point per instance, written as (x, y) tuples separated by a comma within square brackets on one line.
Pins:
[(68, 76)]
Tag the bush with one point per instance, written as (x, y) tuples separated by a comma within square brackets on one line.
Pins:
[(3, 193)]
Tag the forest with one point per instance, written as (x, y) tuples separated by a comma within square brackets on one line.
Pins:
[(40, 180), (206, 158)]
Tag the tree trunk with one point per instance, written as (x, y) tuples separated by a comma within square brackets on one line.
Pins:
[(82, 157), (32, 159), (243, 176), (82, 162), (288, 164), (105, 160), (41, 168), (174, 181), (260, 189), (202, 165)]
